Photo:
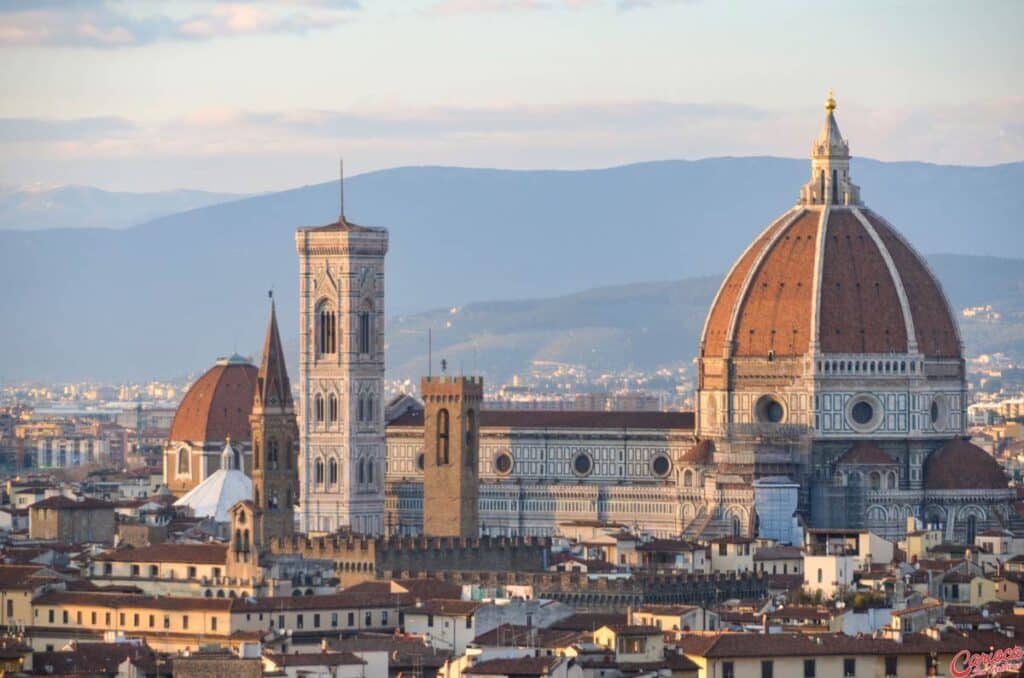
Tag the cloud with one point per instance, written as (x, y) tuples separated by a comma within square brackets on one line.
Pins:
[(268, 149), (455, 7), (21, 130), (102, 24)]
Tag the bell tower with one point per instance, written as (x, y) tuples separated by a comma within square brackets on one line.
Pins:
[(341, 376), (451, 456), (275, 440)]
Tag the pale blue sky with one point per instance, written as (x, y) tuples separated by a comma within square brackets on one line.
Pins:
[(252, 96)]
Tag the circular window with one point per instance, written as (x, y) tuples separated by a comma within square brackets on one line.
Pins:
[(661, 465), (582, 464), (503, 463), (865, 413), (769, 410), (862, 412), (419, 462)]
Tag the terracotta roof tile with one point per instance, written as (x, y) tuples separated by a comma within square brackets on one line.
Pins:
[(567, 419), (960, 465), (203, 554), (865, 453), (934, 324), (217, 405)]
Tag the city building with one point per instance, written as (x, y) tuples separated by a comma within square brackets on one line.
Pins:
[(215, 410), (341, 376)]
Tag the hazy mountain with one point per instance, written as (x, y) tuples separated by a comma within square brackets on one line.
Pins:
[(87, 207), (655, 324), (167, 297)]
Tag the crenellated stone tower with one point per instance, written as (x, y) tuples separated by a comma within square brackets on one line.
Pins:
[(341, 376), (451, 446), (275, 441)]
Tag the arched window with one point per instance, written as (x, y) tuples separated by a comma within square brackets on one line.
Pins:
[(272, 454), (835, 186), (369, 472), (319, 472), (183, 460), (687, 478), (442, 436), (369, 408), (362, 472), (255, 456), (332, 472), (876, 480), (256, 496), (332, 408), (326, 330), (245, 540), (238, 540), (821, 185), (972, 529), (365, 336), (362, 408), (890, 480), (318, 408), (288, 452), (272, 501)]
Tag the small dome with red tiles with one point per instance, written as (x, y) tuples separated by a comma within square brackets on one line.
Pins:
[(218, 404)]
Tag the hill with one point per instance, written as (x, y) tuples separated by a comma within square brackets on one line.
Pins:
[(167, 297), (87, 207), (655, 324)]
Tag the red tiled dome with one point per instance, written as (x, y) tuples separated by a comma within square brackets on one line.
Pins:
[(851, 283), (961, 465), (218, 404)]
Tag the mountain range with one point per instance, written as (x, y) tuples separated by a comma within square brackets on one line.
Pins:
[(168, 296), (37, 208)]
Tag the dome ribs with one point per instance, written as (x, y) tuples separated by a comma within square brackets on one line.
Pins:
[(217, 405), (774, 309), (860, 310), (720, 316), (934, 326)]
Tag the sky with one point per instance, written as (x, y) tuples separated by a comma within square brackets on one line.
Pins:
[(259, 96)]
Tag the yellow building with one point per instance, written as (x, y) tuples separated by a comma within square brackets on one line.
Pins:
[(167, 624), (825, 655), (632, 644)]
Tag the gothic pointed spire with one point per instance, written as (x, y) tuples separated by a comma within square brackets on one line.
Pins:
[(272, 386)]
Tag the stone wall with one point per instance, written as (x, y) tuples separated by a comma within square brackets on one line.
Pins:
[(585, 593)]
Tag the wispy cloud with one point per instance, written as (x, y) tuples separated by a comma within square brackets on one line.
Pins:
[(23, 130), (456, 7), (103, 24), (266, 149)]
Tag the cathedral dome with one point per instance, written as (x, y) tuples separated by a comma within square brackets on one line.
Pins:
[(218, 404), (830, 276), (961, 465)]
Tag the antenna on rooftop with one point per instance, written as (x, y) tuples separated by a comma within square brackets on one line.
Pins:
[(341, 187)]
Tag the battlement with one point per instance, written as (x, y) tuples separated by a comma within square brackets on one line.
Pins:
[(603, 593), (420, 553), (444, 386)]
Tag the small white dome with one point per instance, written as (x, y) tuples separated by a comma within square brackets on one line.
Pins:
[(219, 492)]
